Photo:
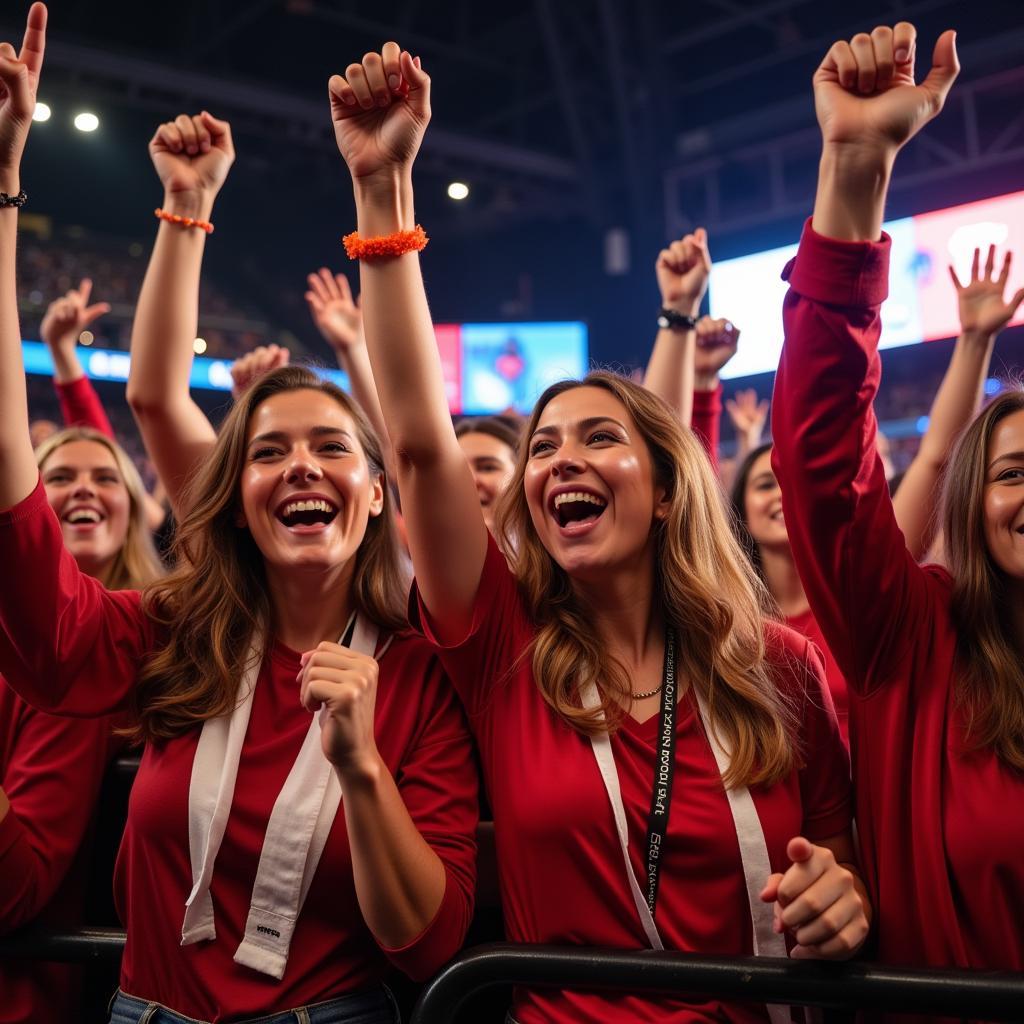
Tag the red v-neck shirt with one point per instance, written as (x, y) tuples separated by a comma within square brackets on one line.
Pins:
[(68, 644), (562, 876)]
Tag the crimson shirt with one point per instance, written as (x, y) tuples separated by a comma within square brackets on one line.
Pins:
[(561, 871), (942, 828), (67, 643), (80, 406), (807, 625)]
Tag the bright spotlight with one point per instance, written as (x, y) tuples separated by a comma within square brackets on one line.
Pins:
[(86, 122), (86, 338), (199, 346), (42, 112), (458, 190)]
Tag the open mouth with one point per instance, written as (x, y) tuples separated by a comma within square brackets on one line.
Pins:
[(307, 513), (577, 507), (83, 517)]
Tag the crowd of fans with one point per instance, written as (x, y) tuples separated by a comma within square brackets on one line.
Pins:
[(812, 643)]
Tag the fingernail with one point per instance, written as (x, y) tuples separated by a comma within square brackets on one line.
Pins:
[(350, 100), (393, 81), (901, 54)]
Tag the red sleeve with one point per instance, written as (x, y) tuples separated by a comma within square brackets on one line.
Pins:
[(81, 406), (497, 635), (707, 419), (52, 779), (860, 581), (825, 789), (439, 785), (67, 644)]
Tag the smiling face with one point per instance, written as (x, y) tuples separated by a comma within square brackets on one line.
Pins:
[(492, 463), (307, 490), (762, 501), (87, 493), (589, 484), (1004, 496)]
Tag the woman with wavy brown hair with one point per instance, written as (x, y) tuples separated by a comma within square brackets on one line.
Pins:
[(304, 811), (624, 648)]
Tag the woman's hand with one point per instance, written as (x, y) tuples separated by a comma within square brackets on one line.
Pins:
[(248, 369), (67, 317), (380, 110), (748, 416), (983, 313), (19, 82), (337, 317), (192, 156), (864, 91), (345, 684), (682, 271), (818, 902), (717, 340)]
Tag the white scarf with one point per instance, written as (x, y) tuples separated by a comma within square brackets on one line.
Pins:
[(296, 833)]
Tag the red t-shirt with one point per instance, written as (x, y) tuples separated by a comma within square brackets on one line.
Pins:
[(807, 625), (51, 770), (80, 406), (67, 643), (561, 871), (942, 828)]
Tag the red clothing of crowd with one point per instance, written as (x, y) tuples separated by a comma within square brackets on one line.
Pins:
[(51, 770), (67, 643), (80, 406), (561, 870), (941, 825)]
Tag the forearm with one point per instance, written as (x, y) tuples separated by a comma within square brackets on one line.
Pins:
[(66, 366), (400, 881), (852, 186), (670, 373), (355, 361), (18, 472)]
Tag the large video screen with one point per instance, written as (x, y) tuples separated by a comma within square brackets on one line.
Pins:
[(488, 368), (922, 303)]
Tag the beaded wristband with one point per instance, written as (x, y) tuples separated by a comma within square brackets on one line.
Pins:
[(9, 200), (185, 222), (398, 243)]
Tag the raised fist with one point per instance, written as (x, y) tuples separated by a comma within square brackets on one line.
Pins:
[(864, 90), (982, 309), (19, 82), (717, 340), (380, 110), (192, 155), (336, 316), (67, 317), (682, 271)]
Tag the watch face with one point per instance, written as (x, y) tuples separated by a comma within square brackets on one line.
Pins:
[(663, 321)]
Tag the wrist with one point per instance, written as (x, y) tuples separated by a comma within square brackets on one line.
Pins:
[(977, 339), (198, 205), (852, 186), (384, 202), (706, 382), (685, 306), (361, 773)]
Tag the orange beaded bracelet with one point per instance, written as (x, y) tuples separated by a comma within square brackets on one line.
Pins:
[(398, 243), (185, 222)]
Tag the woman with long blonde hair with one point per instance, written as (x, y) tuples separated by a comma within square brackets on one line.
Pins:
[(303, 816), (932, 658), (621, 669)]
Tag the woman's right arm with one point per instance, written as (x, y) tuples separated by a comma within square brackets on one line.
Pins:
[(192, 156), (380, 110), (852, 560)]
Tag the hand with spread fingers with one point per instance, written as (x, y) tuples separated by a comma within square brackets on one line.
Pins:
[(717, 340), (748, 417), (19, 83), (682, 271), (983, 313), (248, 369), (192, 155), (380, 109), (344, 683), (337, 317), (818, 902), (68, 316)]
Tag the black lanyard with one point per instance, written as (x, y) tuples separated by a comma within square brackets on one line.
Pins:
[(664, 768)]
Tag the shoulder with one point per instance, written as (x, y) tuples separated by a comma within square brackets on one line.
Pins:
[(794, 663)]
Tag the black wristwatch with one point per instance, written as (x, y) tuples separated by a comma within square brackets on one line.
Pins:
[(671, 320)]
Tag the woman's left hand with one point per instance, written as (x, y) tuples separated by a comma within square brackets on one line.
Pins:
[(345, 683), (818, 902), (19, 82)]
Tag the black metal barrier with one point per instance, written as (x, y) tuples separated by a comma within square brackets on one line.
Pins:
[(980, 995), (77, 946)]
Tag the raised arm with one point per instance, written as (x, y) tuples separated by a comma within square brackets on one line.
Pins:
[(850, 553), (19, 81), (682, 271), (716, 345), (983, 314), (192, 156), (380, 110), (340, 322)]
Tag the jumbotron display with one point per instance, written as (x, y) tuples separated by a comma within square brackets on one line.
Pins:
[(488, 368), (922, 303)]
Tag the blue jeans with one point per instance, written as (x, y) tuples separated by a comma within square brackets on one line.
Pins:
[(375, 1006)]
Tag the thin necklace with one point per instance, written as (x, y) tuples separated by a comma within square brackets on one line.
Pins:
[(649, 693)]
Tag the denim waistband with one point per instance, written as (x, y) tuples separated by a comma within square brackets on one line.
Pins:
[(375, 1006)]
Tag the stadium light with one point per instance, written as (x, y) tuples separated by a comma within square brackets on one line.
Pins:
[(86, 338), (86, 122), (199, 346), (458, 190), (42, 112)]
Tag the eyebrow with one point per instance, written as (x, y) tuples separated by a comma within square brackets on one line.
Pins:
[(1008, 457), (590, 421), (61, 468), (281, 436), (765, 474)]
